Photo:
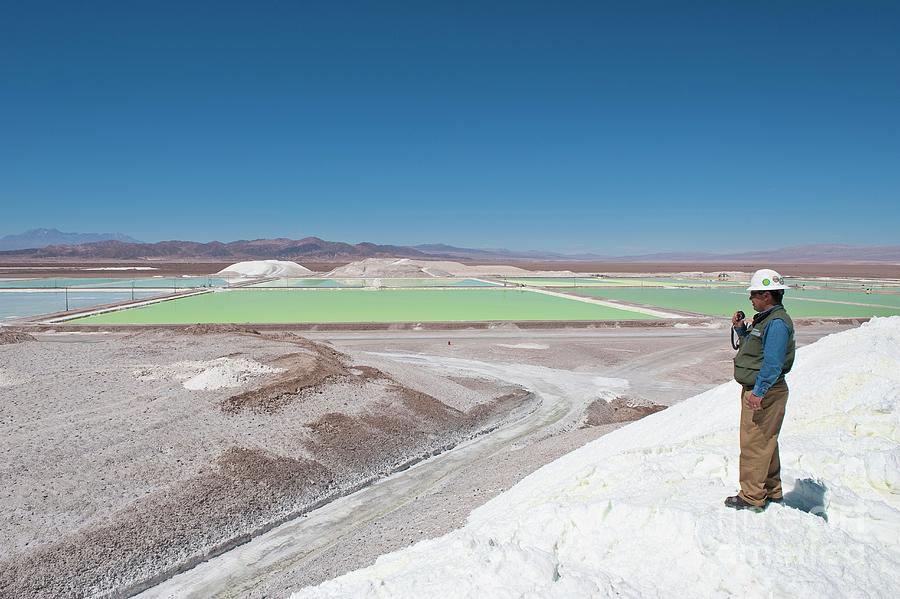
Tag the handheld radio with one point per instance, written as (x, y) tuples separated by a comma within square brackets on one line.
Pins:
[(735, 338)]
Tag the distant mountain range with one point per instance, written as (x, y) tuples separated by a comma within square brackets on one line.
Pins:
[(819, 253), (39, 238), (257, 249), (50, 243)]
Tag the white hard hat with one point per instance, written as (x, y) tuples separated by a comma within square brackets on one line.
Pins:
[(766, 279)]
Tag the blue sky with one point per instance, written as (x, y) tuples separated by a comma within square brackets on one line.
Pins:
[(611, 127)]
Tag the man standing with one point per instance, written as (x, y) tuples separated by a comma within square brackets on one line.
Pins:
[(765, 355)]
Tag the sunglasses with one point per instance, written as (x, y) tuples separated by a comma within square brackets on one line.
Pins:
[(757, 293)]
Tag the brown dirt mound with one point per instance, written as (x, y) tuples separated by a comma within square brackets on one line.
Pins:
[(10, 337), (212, 329), (415, 426), (175, 525), (304, 372), (621, 409)]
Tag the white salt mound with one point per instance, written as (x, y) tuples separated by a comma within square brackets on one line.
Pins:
[(209, 375), (265, 268), (381, 267), (409, 268), (638, 512)]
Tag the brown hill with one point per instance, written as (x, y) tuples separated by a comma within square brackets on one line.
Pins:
[(256, 249)]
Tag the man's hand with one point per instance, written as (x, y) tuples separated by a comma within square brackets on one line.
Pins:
[(754, 402), (737, 322)]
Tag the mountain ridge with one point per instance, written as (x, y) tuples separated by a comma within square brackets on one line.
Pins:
[(38, 238), (315, 248)]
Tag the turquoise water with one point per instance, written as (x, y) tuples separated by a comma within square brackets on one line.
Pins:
[(114, 283), (19, 304), (619, 282)]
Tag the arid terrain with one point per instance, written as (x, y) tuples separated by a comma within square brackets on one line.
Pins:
[(77, 268), (129, 457)]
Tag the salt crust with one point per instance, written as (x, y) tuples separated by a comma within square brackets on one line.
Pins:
[(7, 380), (523, 345), (638, 513), (209, 375)]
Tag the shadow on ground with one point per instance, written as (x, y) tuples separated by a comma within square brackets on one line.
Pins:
[(808, 495)]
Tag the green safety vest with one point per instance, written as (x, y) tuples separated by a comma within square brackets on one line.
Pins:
[(749, 358)]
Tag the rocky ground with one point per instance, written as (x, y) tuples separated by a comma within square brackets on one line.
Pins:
[(661, 367), (126, 457), (130, 457)]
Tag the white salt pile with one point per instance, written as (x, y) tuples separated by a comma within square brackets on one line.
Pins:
[(409, 268), (209, 375), (381, 267), (265, 268), (638, 513)]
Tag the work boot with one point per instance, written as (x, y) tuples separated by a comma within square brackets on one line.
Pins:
[(737, 502)]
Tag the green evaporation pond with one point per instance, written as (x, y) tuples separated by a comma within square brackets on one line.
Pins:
[(724, 302), (311, 283), (435, 282), (361, 305), (372, 283), (846, 284), (854, 297), (618, 282), (681, 282), (564, 281)]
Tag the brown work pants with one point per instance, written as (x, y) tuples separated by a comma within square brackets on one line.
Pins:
[(760, 465)]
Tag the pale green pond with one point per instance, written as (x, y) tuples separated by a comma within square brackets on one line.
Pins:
[(328, 283), (362, 305), (724, 302)]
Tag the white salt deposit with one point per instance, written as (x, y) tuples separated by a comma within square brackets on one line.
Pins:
[(209, 375), (523, 345), (408, 268), (121, 268), (712, 324), (638, 513), (380, 267), (7, 379), (265, 268)]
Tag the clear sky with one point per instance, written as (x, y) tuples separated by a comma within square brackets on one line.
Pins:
[(611, 127)]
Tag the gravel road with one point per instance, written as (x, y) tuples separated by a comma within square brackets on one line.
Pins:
[(660, 367)]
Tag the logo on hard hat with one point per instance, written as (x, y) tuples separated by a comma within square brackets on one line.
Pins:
[(766, 281)]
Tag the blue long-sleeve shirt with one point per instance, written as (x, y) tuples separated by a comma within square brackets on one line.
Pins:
[(775, 342)]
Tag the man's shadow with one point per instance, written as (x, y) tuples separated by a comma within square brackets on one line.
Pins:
[(808, 495)]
